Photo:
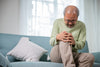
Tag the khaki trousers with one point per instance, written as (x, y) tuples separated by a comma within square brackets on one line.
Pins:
[(62, 53)]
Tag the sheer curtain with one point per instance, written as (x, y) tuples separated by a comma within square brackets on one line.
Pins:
[(37, 17), (25, 16), (92, 21)]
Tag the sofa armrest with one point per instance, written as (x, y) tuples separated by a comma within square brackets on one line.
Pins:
[(3, 61), (97, 56)]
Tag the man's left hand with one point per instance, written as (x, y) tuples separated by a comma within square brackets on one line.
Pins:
[(70, 39)]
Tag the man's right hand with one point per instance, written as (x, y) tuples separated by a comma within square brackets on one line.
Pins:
[(62, 36)]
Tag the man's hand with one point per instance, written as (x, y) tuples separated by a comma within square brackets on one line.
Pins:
[(66, 37), (70, 39), (62, 36)]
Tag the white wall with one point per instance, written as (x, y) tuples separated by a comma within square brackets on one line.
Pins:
[(9, 16)]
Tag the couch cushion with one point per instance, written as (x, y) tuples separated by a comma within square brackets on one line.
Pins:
[(4, 62), (36, 64), (85, 49), (97, 56), (96, 65), (42, 64)]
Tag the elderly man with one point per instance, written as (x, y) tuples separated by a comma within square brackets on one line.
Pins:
[(69, 35)]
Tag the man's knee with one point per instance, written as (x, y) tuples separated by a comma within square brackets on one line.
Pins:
[(90, 57), (87, 57), (61, 42), (64, 46)]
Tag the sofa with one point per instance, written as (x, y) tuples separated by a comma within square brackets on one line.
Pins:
[(9, 41)]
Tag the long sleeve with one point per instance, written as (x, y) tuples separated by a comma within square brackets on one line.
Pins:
[(80, 43), (55, 30)]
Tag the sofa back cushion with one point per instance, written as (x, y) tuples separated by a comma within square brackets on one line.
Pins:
[(85, 49), (9, 41)]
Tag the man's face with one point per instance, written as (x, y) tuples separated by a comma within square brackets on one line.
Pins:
[(70, 19)]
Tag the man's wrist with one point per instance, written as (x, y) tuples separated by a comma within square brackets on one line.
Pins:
[(57, 38)]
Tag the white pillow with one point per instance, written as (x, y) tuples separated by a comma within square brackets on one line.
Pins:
[(27, 50)]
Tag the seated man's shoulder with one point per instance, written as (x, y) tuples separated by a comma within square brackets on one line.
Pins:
[(81, 23)]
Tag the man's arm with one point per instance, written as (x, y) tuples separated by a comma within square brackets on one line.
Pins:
[(56, 36), (54, 33), (80, 43)]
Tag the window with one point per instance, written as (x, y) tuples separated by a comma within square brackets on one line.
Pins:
[(44, 12)]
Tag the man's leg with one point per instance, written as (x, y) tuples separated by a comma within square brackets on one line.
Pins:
[(55, 54), (66, 54), (62, 53), (85, 60)]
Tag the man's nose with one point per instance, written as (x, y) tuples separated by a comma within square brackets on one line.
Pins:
[(70, 23)]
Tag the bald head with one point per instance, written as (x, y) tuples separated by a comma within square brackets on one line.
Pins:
[(71, 10), (71, 14)]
